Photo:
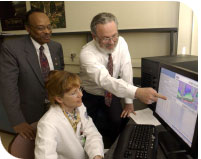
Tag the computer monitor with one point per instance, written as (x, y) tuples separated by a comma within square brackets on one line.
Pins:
[(179, 113)]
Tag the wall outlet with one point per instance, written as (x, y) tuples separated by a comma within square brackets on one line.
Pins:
[(72, 56)]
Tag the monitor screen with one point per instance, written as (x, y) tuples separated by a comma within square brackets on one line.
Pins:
[(180, 111)]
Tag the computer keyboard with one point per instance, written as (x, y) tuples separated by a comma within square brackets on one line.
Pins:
[(137, 142)]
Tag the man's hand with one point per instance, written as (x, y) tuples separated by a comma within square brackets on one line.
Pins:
[(129, 108), (25, 130), (148, 95), (98, 157)]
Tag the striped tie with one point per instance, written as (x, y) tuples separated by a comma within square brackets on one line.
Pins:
[(108, 95), (45, 68)]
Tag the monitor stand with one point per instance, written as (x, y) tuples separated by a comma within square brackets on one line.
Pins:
[(171, 146)]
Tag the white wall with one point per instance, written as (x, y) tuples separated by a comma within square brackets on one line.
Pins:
[(187, 31), (131, 15), (194, 41)]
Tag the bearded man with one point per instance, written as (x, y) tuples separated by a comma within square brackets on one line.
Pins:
[(107, 76)]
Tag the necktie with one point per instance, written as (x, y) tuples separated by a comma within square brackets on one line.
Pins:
[(45, 68), (108, 95)]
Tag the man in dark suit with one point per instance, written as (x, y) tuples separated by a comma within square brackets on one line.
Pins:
[(22, 80)]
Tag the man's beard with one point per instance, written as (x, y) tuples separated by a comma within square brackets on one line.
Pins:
[(104, 50)]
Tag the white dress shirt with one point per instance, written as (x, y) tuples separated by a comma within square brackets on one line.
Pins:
[(95, 76), (46, 52), (56, 138)]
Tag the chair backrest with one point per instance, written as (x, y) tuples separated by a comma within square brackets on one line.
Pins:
[(22, 148)]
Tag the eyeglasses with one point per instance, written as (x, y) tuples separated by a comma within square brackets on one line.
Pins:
[(107, 39), (42, 27), (76, 92)]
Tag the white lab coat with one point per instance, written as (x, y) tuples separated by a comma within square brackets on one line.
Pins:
[(56, 138)]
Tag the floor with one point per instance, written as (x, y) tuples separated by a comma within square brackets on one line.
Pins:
[(6, 138)]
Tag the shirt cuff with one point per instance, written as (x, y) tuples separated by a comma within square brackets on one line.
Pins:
[(131, 92), (128, 101), (97, 154)]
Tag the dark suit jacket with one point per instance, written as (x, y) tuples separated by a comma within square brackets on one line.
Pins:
[(22, 88)]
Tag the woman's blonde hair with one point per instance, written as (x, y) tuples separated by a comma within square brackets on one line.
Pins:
[(60, 82)]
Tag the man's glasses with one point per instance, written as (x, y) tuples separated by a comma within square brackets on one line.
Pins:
[(42, 27), (107, 39), (76, 92)]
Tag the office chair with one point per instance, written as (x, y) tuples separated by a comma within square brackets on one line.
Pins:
[(22, 148)]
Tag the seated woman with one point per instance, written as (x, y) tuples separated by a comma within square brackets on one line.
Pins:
[(66, 131)]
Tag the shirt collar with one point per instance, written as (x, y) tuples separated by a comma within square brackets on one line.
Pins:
[(37, 45)]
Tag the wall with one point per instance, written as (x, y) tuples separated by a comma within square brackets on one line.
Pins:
[(140, 44), (188, 31), (194, 41), (138, 15), (131, 15)]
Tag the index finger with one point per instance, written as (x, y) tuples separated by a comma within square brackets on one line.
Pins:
[(161, 96)]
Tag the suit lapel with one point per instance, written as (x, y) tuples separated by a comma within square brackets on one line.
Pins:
[(33, 59), (55, 59)]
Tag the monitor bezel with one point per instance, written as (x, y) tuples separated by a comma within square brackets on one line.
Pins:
[(193, 150)]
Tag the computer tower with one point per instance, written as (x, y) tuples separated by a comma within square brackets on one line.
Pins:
[(150, 67)]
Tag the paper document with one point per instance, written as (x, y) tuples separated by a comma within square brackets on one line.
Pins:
[(145, 116), (105, 151)]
